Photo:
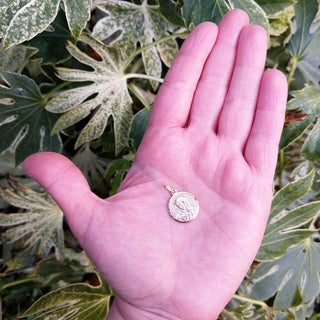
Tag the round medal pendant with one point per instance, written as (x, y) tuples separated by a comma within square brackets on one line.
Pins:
[(183, 206)]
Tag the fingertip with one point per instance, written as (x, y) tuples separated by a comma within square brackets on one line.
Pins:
[(237, 15), (275, 82)]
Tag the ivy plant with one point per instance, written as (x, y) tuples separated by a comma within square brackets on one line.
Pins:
[(80, 78)]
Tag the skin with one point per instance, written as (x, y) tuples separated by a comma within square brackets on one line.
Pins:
[(214, 132)]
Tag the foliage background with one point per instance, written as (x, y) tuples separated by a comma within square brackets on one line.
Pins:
[(79, 78)]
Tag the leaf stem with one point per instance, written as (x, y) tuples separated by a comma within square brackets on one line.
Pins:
[(148, 46), (252, 301), (142, 76), (292, 70), (260, 303), (135, 90), (54, 90), (281, 152), (281, 167)]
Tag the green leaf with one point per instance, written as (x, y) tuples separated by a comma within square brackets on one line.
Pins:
[(271, 7), (139, 126), (299, 269), (116, 172), (25, 125), (27, 19), (73, 302), (7, 12), (280, 22), (78, 13), (194, 12), (92, 166), (303, 46), (40, 225), (285, 224), (21, 20), (171, 9), (307, 101), (136, 24), (15, 58), (51, 44), (256, 14), (108, 85)]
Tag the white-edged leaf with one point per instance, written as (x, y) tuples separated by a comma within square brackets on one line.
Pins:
[(108, 84), (136, 24), (306, 101), (78, 13), (73, 302), (254, 11), (40, 225), (22, 20), (299, 269), (31, 18), (285, 226)]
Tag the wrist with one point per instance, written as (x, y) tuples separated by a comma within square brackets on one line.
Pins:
[(121, 310)]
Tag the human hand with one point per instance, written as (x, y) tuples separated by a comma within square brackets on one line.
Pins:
[(214, 132)]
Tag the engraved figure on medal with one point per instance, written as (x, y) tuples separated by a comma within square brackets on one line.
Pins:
[(183, 206)]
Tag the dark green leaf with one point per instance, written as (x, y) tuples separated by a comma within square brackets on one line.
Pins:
[(25, 125), (139, 126), (172, 11), (304, 46), (116, 172), (51, 44), (194, 12)]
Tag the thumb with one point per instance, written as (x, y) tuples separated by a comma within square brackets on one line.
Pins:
[(66, 184)]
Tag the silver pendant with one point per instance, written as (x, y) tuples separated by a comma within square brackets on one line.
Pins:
[(183, 206)]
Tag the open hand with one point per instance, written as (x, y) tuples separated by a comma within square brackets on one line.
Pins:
[(213, 132)]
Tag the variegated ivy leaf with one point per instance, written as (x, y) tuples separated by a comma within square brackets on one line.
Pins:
[(306, 101), (40, 225), (271, 7), (304, 46), (195, 12), (21, 20), (135, 24), (256, 14), (107, 93), (25, 125), (298, 269), (286, 224), (73, 302)]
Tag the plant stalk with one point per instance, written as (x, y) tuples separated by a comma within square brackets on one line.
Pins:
[(281, 152), (148, 46)]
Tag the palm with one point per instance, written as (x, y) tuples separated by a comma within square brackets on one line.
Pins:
[(225, 155)]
